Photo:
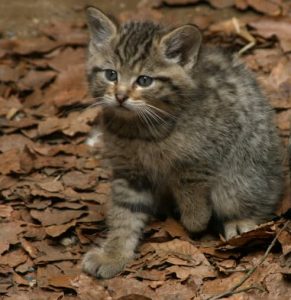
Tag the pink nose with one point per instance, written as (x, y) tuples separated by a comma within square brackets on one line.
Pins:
[(120, 97)]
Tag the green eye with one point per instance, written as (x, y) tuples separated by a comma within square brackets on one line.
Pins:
[(110, 75), (144, 81)]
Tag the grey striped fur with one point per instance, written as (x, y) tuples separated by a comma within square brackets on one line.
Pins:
[(202, 134)]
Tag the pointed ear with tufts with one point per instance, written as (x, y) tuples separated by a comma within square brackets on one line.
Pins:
[(101, 28), (182, 45)]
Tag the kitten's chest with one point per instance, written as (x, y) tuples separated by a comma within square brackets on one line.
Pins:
[(154, 159)]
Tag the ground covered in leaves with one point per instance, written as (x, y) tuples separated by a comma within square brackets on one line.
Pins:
[(54, 187)]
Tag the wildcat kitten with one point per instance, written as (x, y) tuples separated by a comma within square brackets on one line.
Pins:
[(182, 120)]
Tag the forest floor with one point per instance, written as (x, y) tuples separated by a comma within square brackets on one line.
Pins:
[(54, 187)]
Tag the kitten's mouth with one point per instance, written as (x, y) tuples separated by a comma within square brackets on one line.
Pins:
[(121, 106)]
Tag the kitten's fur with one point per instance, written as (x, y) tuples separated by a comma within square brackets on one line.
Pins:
[(201, 133)]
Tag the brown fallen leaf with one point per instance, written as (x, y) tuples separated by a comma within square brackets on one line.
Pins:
[(172, 290), (67, 33), (5, 285), (183, 272), (280, 73), (267, 27), (68, 267), (5, 211), (4, 246), (7, 182), (36, 294), (57, 230), (69, 88), (120, 287), (35, 232), (14, 141), (26, 267), (60, 161), (285, 44), (267, 7), (89, 288), (15, 161), (19, 280), (175, 229), (9, 232), (29, 248), (13, 258), (52, 186), (51, 216), (62, 281), (174, 2), (277, 287), (222, 3), (43, 274), (39, 204), (70, 126), (7, 104), (8, 73), (81, 150), (49, 253), (35, 79), (283, 120), (224, 265), (181, 249), (285, 241), (260, 233), (79, 180), (70, 205), (66, 58), (216, 286), (28, 46), (153, 275)]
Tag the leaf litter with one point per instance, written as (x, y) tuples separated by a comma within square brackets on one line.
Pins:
[(54, 187)]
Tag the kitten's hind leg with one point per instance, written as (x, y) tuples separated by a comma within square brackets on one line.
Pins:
[(194, 206), (127, 217)]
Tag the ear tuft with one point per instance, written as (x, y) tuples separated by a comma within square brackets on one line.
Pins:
[(101, 28), (182, 45)]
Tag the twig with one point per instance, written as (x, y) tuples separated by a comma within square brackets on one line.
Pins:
[(243, 32), (234, 289), (246, 289), (229, 271)]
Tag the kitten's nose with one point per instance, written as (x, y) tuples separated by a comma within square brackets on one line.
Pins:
[(120, 97)]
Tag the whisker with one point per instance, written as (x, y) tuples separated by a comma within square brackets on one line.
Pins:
[(143, 104), (161, 111), (143, 117)]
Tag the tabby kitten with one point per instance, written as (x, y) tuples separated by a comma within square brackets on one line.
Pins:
[(181, 121)]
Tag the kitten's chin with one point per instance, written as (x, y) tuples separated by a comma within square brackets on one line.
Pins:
[(120, 111)]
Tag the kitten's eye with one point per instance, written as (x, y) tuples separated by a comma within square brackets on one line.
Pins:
[(110, 75), (144, 80)]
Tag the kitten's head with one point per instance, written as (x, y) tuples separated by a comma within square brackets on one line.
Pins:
[(139, 69)]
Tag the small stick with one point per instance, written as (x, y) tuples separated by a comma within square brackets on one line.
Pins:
[(228, 271), (234, 289), (243, 32)]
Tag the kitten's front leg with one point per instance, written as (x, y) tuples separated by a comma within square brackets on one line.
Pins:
[(131, 206)]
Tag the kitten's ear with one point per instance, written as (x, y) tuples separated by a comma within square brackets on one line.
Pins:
[(101, 28), (182, 45)]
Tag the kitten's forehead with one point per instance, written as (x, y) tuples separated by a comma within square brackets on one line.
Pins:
[(134, 42)]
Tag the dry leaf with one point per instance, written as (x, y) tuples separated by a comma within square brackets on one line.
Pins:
[(13, 258), (79, 180), (52, 216), (5, 211), (57, 230)]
